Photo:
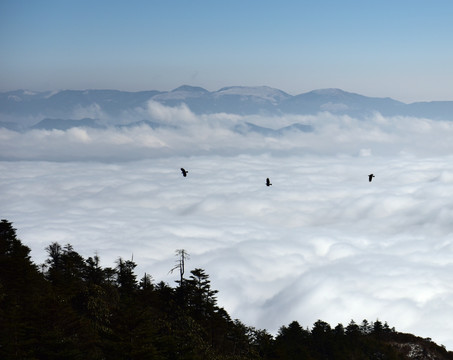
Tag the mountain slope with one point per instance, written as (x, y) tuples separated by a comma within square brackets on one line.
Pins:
[(339, 101), (23, 105)]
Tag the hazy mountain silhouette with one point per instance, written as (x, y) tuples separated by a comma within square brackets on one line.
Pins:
[(247, 127), (22, 105), (60, 124), (339, 101)]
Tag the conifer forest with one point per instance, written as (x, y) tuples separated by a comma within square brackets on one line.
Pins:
[(72, 308)]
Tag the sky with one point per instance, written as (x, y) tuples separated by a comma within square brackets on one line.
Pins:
[(400, 49), (321, 243)]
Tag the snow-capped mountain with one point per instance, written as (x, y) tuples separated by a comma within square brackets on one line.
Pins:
[(265, 93), (182, 93), (21, 108)]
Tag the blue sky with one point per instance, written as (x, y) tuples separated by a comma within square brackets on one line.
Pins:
[(322, 242), (401, 49)]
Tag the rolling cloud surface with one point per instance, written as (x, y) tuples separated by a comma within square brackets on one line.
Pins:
[(320, 243)]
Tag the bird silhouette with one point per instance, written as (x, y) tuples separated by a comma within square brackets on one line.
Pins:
[(370, 177), (268, 182), (184, 172)]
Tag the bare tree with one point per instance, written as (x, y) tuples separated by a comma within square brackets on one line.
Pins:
[(182, 255)]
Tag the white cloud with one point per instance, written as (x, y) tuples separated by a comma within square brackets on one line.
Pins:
[(172, 115), (93, 111), (79, 135), (192, 135), (321, 243)]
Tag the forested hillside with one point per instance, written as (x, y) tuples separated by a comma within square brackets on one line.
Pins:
[(72, 308)]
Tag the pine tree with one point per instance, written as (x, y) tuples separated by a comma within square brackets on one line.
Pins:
[(22, 288), (291, 342), (201, 298), (126, 279)]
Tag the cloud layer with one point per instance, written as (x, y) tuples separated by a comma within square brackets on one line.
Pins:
[(321, 243), (183, 133)]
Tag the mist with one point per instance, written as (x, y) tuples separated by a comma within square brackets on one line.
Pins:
[(182, 133), (321, 243)]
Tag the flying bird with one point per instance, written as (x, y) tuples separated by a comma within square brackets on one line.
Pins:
[(370, 177), (268, 182), (184, 172)]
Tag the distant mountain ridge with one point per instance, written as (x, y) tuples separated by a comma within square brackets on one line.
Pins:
[(241, 100)]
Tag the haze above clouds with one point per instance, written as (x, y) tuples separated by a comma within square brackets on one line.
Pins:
[(320, 243), (398, 49)]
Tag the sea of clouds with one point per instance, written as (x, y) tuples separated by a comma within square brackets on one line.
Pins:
[(321, 243)]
